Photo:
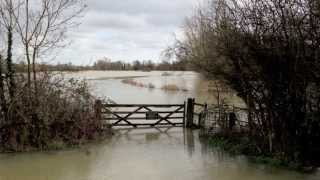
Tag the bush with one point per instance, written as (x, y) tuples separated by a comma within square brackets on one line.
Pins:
[(54, 112)]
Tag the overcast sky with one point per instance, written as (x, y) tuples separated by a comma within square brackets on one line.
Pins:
[(126, 30)]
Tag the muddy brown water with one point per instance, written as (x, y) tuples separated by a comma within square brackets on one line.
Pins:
[(144, 153)]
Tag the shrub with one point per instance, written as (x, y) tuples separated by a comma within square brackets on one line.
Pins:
[(57, 110)]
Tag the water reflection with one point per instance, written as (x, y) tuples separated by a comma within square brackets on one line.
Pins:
[(189, 141), (144, 153), (34, 166)]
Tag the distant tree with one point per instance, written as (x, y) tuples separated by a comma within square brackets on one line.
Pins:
[(102, 64), (136, 65)]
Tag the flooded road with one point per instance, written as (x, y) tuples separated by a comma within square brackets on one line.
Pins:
[(137, 154)]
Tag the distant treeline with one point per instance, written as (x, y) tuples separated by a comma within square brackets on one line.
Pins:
[(107, 64)]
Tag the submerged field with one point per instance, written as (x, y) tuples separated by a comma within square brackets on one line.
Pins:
[(109, 84), (149, 153)]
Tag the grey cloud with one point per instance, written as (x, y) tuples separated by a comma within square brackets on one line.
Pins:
[(126, 29), (142, 6), (114, 21)]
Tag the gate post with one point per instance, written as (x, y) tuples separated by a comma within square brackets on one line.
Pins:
[(190, 111)]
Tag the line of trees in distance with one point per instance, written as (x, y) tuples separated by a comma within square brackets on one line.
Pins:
[(104, 64)]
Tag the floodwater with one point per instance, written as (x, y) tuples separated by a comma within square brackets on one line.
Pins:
[(108, 84), (145, 153), (137, 154)]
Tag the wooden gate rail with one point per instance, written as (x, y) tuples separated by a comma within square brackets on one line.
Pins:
[(127, 116)]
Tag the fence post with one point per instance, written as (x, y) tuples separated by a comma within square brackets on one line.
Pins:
[(190, 111), (184, 113)]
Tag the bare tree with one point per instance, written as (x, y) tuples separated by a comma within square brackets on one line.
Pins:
[(3, 101), (42, 25), (7, 21)]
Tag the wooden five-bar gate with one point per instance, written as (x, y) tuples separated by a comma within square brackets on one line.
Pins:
[(144, 114)]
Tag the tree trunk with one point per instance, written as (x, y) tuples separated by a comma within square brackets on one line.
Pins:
[(28, 66), (3, 102), (34, 71), (10, 71)]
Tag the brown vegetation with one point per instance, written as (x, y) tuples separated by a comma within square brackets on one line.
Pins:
[(169, 87), (137, 84), (166, 74), (268, 52), (62, 112), (172, 87), (38, 110)]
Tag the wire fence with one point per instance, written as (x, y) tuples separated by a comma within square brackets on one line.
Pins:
[(224, 118)]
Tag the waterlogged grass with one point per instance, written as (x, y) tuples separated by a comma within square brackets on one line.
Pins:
[(168, 87), (233, 145), (166, 74), (243, 146), (132, 82), (172, 87)]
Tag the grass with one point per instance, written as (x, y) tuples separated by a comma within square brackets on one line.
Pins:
[(184, 89), (138, 84), (173, 87), (166, 74), (168, 87), (241, 145)]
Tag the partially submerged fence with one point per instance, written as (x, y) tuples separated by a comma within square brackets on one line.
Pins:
[(188, 114), (144, 114), (217, 119)]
